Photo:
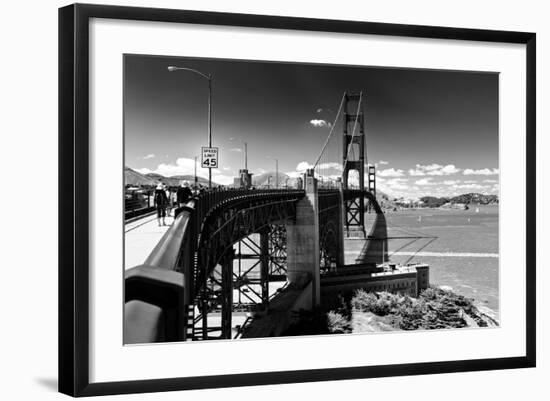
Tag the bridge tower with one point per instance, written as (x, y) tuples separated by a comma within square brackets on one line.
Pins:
[(354, 159)]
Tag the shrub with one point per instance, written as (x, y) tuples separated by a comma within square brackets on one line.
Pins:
[(337, 323)]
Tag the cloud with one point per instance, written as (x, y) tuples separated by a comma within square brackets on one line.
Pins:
[(383, 162), (425, 181), (186, 166), (433, 169), (143, 170), (451, 182), (149, 156), (391, 172), (471, 186), (320, 123), (330, 171), (484, 171), (329, 166), (235, 150), (294, 174), (491, 181), (395, 184), (303, 166)]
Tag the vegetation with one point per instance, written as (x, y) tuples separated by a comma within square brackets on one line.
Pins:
[(432, 201), (374, 311), (465, 199), (475, 198), (433, 309)]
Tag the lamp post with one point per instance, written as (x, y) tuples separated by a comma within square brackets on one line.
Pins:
[(208, 77)]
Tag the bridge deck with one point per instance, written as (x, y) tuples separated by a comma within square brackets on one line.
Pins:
[(140, 238)]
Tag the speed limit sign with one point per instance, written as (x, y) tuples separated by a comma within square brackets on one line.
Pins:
[(209, 157)]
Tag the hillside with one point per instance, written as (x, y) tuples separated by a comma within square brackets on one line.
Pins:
[(260, 180), (175, 180), (135, 178), (475, 198), (190, 178), (385, 201), (464, 199)]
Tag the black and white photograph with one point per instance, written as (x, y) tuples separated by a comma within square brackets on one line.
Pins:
[(270, 199)]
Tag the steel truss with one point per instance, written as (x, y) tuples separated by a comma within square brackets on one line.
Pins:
[(219, 286)]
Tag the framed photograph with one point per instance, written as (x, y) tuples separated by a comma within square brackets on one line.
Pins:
[(295, 199)]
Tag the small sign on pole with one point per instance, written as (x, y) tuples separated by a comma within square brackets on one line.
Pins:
[(209, 157)]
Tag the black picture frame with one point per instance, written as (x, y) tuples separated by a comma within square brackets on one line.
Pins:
[(74, 203)]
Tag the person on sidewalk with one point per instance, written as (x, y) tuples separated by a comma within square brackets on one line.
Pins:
[(161, 202), (183, 194)]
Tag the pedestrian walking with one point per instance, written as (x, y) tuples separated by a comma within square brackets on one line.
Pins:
[(161, 203), (184, 193)]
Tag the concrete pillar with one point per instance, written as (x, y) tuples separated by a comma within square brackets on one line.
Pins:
[(303, 241)]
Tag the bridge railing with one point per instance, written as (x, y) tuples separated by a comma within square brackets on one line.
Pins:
[(171, 268)]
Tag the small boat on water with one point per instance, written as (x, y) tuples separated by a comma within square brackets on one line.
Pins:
[(419, 219), (477, 210)]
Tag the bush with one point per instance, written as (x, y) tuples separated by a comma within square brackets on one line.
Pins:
[(433, 309), (338, 323), (379, 303)]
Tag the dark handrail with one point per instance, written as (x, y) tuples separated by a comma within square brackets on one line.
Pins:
[(166, 253)]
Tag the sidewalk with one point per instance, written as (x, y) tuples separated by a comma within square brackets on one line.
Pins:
[(140, 237)]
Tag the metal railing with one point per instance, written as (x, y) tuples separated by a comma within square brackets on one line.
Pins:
[(187, 225)]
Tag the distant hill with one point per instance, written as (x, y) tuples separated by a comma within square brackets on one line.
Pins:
[(175, 180), (465, 199), (475, 198), (190, 178), (385, 201), (261, 180), (135, 178)]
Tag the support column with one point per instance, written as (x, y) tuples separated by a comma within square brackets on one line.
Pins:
[(303, 242), (340, 257), (227, 294), (264, 266)]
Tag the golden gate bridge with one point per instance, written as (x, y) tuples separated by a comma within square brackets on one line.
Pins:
[(228, 249)]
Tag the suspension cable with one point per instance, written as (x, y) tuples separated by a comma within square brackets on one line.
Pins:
[(331, 131)]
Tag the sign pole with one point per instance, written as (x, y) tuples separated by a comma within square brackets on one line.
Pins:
[(210, 125)]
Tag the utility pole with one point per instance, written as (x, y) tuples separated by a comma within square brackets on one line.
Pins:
[(277, 173), (196, 181)]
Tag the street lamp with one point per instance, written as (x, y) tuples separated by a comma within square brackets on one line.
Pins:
[(208, 77)]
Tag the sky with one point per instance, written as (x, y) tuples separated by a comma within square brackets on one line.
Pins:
[(429, 132)]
